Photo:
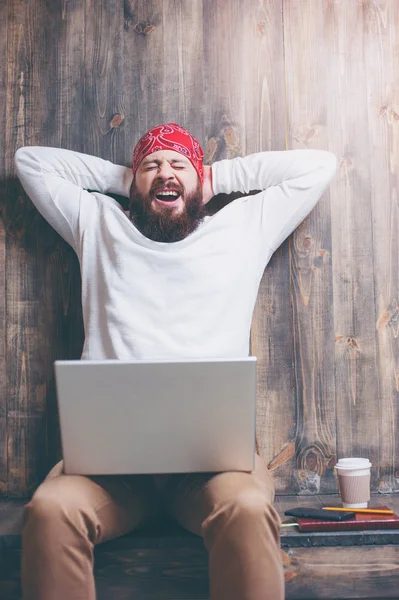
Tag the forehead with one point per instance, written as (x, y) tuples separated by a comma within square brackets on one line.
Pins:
[(169, 155)]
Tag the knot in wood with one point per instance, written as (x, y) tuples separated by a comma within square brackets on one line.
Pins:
[(144, 28)]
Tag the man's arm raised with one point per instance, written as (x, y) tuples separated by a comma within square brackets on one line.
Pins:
[(292, 182), (56, 181)]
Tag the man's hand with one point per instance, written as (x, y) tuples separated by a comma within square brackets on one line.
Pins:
[(207, 190)]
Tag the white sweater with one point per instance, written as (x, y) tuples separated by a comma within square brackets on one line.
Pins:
[(189, 299)]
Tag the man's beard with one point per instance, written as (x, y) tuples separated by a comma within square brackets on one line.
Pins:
[(163, 225)]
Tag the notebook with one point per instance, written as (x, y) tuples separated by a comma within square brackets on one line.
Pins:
[(361, 522)]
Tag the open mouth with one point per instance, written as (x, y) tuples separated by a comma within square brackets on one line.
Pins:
[(169, 197)]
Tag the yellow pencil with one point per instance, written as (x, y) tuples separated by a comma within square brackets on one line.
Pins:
[(361, 510)]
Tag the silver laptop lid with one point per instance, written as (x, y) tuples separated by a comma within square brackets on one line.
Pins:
[(157, 416)]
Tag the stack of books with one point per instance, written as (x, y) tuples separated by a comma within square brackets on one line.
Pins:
[(380, 517)]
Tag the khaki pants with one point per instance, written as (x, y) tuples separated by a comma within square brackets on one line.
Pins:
[(232, 511)]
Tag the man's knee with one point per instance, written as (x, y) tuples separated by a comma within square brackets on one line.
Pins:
[(253, 505), (249, 509), (54, 502), (250, 501)]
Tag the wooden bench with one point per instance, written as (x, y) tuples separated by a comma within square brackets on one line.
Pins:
[(165, 562)]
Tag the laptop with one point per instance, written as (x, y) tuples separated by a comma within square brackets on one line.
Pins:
[(157, 417)]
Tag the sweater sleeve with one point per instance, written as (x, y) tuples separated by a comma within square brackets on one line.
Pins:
[(57, 181), (292, 181)]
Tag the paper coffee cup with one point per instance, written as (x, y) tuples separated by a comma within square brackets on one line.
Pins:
[(354, 481)]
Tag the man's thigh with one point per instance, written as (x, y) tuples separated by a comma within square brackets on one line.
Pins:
[(190, 498), (118, 503)]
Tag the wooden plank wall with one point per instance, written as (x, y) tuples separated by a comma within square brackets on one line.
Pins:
[(243, 76)]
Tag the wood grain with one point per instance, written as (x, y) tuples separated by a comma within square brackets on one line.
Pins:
[(271, 336), (170, 89), (30, 118), (236, 127), (306, 56), (62, 272), (272, 75), (381, 44), (356, 383), (224, 79), (3, 253), (350, 573), (103, 69), (155, 564), (41, 323), (181, 573), (143, 69)]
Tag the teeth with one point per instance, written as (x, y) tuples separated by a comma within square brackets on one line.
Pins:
[(168, 194)]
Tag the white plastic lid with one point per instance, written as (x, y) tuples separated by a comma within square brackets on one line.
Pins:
[(353, 463)]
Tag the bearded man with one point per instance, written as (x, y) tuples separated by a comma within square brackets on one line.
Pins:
[(165, 280)]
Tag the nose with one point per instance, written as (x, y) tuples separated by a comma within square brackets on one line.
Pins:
[(165, 170)]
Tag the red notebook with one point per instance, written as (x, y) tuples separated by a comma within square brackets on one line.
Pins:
[(360, 522)]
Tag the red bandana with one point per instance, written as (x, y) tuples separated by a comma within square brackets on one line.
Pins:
[(169, 136)]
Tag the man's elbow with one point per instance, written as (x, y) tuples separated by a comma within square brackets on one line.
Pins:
[(20, 157), (25, 159)]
